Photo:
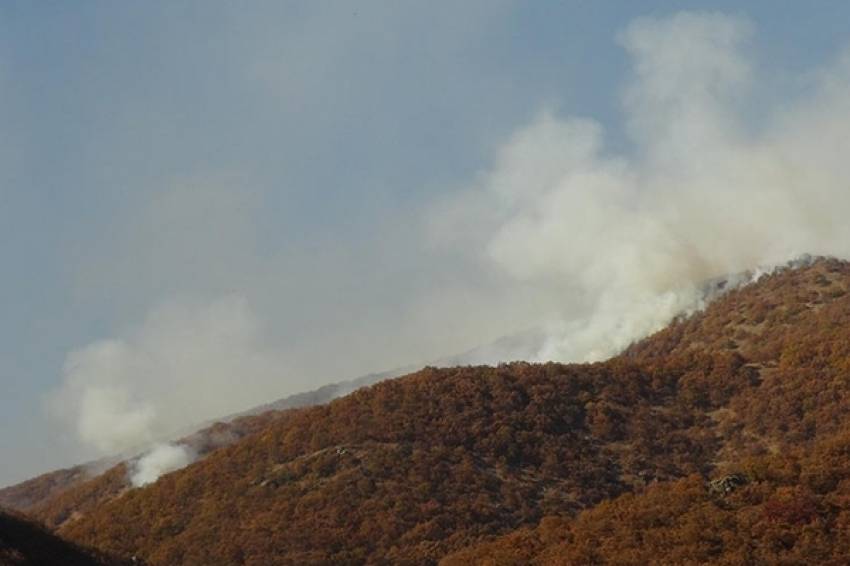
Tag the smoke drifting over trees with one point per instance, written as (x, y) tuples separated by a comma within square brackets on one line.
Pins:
[(597, 246)]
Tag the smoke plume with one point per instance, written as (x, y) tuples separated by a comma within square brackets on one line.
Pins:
[(160, 459), (627, 239), (184, 365)]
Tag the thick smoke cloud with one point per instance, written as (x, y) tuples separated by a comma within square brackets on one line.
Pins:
[(628, 239)]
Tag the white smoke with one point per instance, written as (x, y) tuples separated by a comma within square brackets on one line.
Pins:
[(627, 240), (184, 365), (159, 460)]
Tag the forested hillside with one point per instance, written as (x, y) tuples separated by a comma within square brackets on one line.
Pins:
[(792, 507), (786, 443), (548, 463)]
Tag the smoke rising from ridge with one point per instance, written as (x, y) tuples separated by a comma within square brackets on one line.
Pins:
[(628, 239), (182, 366)]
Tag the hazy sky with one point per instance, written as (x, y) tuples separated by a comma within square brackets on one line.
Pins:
[(181, 177)]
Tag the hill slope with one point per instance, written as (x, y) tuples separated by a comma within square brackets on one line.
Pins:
[(57, 496), (411, 470)]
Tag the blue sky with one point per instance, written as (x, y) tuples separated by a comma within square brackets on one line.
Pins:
[(164, 153)]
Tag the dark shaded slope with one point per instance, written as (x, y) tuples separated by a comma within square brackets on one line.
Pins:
[(24, 543)]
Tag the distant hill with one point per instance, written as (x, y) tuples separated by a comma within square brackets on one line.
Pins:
[(608, 462)]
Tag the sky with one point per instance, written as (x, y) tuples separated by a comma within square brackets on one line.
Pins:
[(221, 205)]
